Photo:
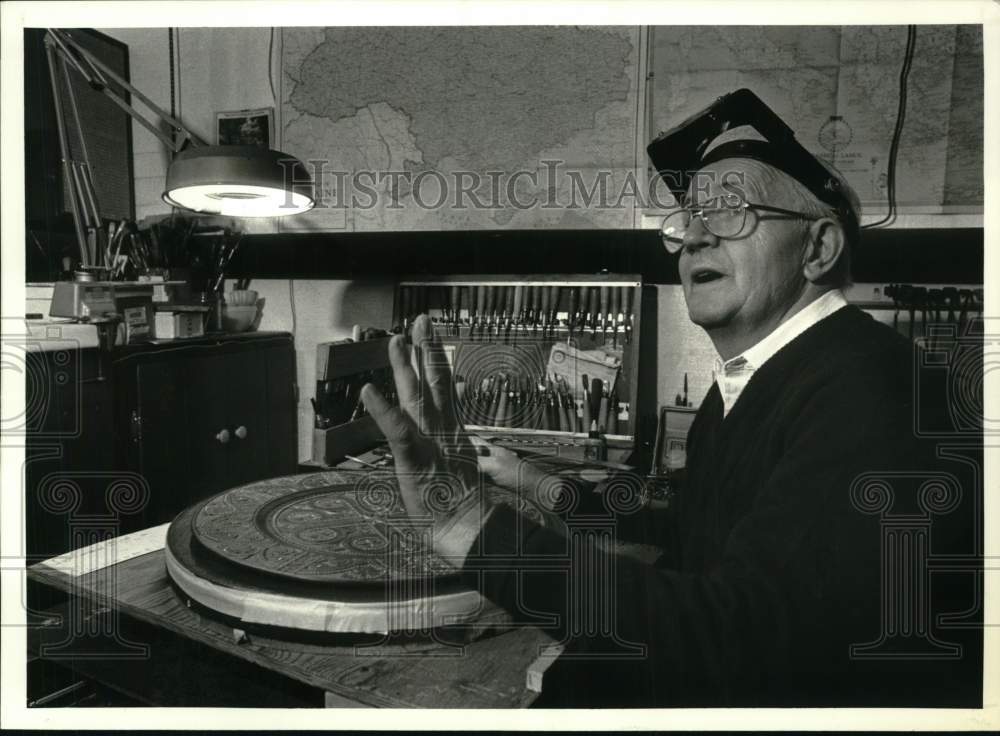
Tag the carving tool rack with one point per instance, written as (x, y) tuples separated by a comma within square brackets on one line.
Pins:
[(540, 362), (924, 311)]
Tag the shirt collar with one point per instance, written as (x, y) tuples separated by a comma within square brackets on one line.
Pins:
[(755, 356), (820, 308)]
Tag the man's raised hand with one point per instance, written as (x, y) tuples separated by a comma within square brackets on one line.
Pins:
[(435, 462)]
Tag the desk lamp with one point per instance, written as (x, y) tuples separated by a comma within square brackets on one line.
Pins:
[(237, 181)]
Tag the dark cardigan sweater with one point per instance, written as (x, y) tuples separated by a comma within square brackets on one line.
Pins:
[(770, 571)]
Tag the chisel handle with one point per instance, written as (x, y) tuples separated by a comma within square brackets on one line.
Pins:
[(592, 308), (491, 302), (555, 296), (445, 302), (477, 303), (627, 311), (602, 422), (536, 305), (456, 303), (480, 297), (596, 391), (501, 412), (571, 309), (570, 410), (604, 290), (546, 296), (518, 304)]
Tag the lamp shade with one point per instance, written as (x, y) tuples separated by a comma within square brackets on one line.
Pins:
[(239, 181)]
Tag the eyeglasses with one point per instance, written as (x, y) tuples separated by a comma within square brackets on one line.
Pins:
[(722, 222)]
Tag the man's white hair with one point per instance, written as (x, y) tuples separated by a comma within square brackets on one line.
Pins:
[(762, 182)]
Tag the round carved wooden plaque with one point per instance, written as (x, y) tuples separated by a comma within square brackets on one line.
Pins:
[(334, 527)]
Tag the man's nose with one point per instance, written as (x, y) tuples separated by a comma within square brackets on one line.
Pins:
[(697, 236)]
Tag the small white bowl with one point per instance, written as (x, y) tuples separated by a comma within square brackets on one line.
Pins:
[(238, 318)]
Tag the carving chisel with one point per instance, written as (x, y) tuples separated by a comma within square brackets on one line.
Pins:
[(543, 401), (561, 412), (627, 311), (586, 404), (445, 307), (602, 422), (518, 314), (508, 317), (604, 313), (495, 404), (490, 307), (544, 313), (502, 405), (456, 307), (616, 305), (480, 307), (571, 312), (554, 294), (529, 300), (468, 298), (592, 310), (596, 390)]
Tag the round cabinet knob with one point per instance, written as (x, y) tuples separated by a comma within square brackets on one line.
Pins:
[(241, 432), (223, 436)]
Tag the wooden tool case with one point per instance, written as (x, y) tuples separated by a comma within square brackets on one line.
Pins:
[(520, 347)]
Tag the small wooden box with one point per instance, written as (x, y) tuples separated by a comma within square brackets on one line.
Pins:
[(342, 426)]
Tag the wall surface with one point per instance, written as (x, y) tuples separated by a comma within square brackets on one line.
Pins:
[(215, 70), (149, 69), (324, 310), (227, 69), (682, 348)]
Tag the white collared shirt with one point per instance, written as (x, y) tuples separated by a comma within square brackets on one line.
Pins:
[(734, 374)]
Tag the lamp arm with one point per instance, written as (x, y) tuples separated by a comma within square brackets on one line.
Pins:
[(63, 43), (64, 149)]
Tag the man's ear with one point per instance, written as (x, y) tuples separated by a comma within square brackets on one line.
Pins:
[(825, 243)]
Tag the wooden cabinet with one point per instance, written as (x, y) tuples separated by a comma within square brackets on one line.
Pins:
[(207, 416), (171, 423)]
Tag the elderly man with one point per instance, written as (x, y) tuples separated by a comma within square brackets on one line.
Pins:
[(770, 571)]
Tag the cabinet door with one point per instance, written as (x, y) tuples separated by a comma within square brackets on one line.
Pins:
[(164, 438), (246, 388), (282, 412), (213, 420)]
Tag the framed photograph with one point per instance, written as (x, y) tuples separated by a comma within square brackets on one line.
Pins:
[(246, 127)]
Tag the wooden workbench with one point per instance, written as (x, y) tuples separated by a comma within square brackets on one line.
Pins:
[(123, 623)]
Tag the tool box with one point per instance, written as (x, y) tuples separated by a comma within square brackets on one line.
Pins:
[(541, 363), (342, 424)]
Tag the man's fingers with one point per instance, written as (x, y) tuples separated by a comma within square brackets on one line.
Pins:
[(398, 429), (436, 374), (407, 384)]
